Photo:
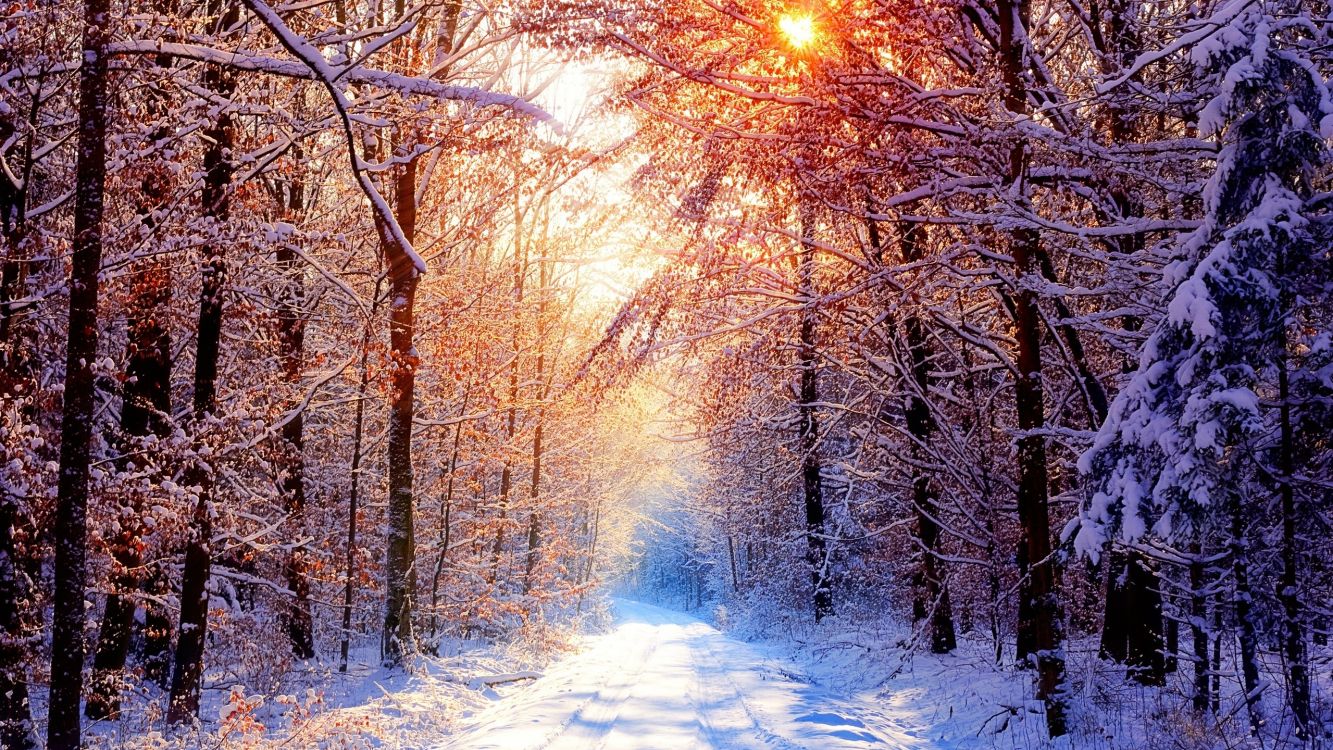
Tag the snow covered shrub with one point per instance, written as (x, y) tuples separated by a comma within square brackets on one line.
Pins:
[(236, 719), (595, 614), (721, 617)]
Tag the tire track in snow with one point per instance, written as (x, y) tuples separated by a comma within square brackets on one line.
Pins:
[(706, 656), (663, 680), (603, 712)]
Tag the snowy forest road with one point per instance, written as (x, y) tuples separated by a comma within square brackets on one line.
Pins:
[(662, 680)]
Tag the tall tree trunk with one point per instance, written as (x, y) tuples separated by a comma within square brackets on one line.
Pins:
[(1243, 602), (291, 335), (16, 368), (534, 494), (1114, 643), (16, 335), (76, 424), (16, 727), (147, 400), (1216, 672), (1039, 609), (397, 640), (1293, 637), (534, 519), (808, 424), (354, 495), (446, 511), (920, 426), (188, 665), (1133, 606), (511, 426), (145, 410), (1132, 626), (1145, 647), (1198, 633)]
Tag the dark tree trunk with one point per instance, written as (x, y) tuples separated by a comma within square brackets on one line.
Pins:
[(808, 426), (145, 410), (16, 337), (535, 519), (354, 496), (291, 335), (446, 511), (187, 675), (920, 425), (1039, 606), (1132, 630), (1245, 617), (1144, 644), (1293, 637), (16, 366), (1216, 671), (1172, 641), (1119, 43), (1199, 634), (506, 477), (147, 402), (397, 640), (511, 426), (534, 495), (1115, 622), (16, 727), (157, 631), (17, 731), (76, 424)]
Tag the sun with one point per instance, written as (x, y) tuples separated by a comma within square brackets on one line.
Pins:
[(798, 28)]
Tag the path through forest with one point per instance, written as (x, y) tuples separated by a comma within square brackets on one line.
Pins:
[(663, 680)]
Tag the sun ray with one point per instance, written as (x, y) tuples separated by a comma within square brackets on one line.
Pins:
[(798, 29)]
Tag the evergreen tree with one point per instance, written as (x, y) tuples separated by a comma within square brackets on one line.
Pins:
[(1211, 394)]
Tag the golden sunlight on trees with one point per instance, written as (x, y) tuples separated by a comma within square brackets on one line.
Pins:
[(351, 342)]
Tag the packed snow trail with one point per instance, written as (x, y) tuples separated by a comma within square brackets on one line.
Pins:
[(662, 680)]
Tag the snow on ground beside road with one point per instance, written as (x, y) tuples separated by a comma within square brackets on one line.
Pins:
[(369, 707), (658, 679), (957, 701)]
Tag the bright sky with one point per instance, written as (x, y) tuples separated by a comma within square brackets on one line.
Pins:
[(615, 262)]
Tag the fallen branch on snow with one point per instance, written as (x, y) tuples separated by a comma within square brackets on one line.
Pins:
[(477, 683)]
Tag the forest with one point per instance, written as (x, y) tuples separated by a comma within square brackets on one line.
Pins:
[(371, 366)]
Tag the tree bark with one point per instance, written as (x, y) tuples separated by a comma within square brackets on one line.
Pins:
[(1293, 637), (291, 336), (1039, 606), (1243, 604), (808, 425), (534, 519), (147, 401), (534, 494), (16, 727), (1119, 44), (76, 424), (397, 641), (1198, 634), (920, 426), (145, 410), (215, 198), (511, 426), (446, 511), (1132, 627), (354, 495)]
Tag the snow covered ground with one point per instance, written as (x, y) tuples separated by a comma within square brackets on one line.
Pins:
[(657, 679), (663, 680)]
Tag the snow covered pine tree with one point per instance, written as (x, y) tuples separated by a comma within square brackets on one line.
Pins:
[(1209, 415)]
